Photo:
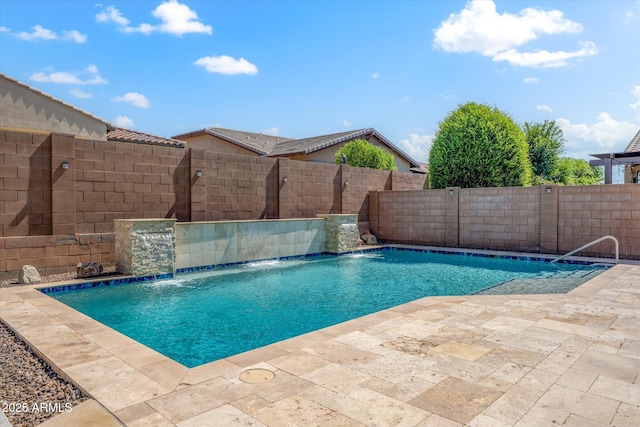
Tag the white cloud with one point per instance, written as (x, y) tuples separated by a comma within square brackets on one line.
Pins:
[(41, 33), (4, 29), (405, 99), (134, 98), (38, 33), (530, 80), (542, 107), (636, 93), (544, 58), (417, 146), (66, 77), (226, 65), (111, 14), (58, 77), (74, 35), (123, 122), (177, 19), (605, 136), (479, 28), (629, 16), (271, 131), (375, 75), (346, 123), (80, 94)]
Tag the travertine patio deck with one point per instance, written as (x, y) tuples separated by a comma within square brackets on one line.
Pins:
[(524, 360)]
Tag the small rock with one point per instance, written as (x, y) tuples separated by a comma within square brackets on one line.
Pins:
[(369, 238), (89, 269), (28, 274)]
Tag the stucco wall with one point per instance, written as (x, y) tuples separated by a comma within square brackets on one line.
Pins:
[(214, 144), (23, 108), (328, 155)]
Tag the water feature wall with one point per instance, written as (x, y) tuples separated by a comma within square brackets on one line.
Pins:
[(145, 247), (159, 246), (223, 242), (342, 233)]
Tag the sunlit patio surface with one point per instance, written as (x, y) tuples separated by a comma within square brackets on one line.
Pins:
[(486, 360)]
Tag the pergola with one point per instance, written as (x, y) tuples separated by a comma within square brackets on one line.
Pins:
[(608, 160)]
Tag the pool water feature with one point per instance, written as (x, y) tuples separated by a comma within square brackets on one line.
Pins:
[(197, 318)]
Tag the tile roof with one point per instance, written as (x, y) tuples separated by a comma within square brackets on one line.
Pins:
[(309, 145), (51, 97), (634, 145), (257, 142), (126, 135), (274, 146), (315, 143)]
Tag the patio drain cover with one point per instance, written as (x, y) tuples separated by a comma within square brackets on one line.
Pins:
[(256, 376)]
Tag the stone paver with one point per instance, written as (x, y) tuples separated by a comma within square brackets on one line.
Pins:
[(88, 413), (486, 360)]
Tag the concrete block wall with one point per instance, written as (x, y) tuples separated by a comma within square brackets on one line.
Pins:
[(409, 216), (407, 181), (54, 254), (589, 212), (25, 184), (355, 195), (500, 218), (310, 189), (548, 219), (239, 187), (67, 214), (115, 180)]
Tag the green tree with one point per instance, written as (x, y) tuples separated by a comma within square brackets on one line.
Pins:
[(571, 171), (479, 146), (363, 154), (546, 145)]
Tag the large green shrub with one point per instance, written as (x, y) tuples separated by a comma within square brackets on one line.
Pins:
[(571, 171), (479, 146), (546, 144), (363, 154)]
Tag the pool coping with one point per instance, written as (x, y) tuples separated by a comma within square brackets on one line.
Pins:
[(136, 383)]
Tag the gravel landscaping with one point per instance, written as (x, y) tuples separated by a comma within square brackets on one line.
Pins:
[(30, 391)]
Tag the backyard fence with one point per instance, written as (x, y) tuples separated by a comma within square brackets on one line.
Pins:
[(60, 195)]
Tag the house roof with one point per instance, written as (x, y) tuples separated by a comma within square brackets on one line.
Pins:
[(127, 135), (314, 143), (421, 168), (274, 146), (634, 145), (257, 142), (310, 145), (51, 97)]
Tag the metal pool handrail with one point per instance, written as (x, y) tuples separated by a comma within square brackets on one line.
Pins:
[(591, 244)]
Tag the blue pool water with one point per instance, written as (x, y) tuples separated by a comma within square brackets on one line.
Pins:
[(197, 318)]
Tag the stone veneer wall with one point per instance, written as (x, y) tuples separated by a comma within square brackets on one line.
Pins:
[(145, 247), (342, 233)]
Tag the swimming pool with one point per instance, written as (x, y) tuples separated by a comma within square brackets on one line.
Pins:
[(200, 317)]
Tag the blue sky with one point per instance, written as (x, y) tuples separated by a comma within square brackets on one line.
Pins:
[(305, 68)]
